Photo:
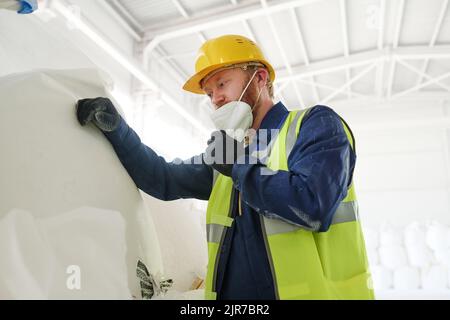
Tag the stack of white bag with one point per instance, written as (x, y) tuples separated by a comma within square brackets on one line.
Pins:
[(74, 255), (66, 202), (416, 258), (438, 239)]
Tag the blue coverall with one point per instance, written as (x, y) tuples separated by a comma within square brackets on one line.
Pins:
[(320, 170)]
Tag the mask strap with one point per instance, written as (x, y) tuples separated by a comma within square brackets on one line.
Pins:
[(257, 99), (245, 89)]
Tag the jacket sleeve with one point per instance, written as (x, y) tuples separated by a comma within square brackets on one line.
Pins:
[(320, 170), (152, 174)]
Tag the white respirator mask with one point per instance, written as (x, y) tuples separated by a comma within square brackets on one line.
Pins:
[(235, 117)]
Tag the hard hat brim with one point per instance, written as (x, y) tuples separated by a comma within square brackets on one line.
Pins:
[(193, 83)]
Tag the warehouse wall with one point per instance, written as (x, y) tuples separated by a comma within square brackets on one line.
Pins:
[(402, 171)]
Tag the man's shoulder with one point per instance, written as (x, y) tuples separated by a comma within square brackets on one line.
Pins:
[(322, 109), (318, 111)]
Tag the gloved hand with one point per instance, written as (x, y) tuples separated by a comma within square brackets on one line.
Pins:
[(222, 152), (100, 111)]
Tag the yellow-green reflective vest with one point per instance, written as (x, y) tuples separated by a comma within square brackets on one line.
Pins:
[(304, 264)]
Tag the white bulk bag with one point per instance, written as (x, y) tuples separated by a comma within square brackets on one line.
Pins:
[(406, 278), (51, 166)]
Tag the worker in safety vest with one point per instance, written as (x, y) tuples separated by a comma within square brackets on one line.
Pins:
[(282, 218)]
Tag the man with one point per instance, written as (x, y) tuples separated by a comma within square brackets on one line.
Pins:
[(282, 218)]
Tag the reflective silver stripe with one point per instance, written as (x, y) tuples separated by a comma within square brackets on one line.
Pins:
[(269, 255), (346, 212), (214, 232), (291, 137), (265, 153), (276, 226), (215, 176)]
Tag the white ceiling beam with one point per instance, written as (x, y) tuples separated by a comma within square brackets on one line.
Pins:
[(379, 78), (422, 74), (419, 86), (278, 90), (361, 59), (330, 65), (248, 30), (434, 123), (398, 27), (391, 76), (282, 51), (301, 39), (437, 29), (423, 97), (381, 24), (247, 27), (119, 19), (281, 87), (423, 52), (344, 30), (398, 24), (354, 79), (239, 12), (324, 86), (184, 13), (179, 55), (180, 8), (379, 74), (128, 63), (171, 67), (128, 15)]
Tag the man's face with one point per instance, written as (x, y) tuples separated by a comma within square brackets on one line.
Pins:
[(227, 85)]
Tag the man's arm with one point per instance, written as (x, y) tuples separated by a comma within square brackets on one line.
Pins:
[(320, 170), (153, 175)]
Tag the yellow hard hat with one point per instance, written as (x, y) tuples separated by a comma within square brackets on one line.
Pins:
[(222, 52)]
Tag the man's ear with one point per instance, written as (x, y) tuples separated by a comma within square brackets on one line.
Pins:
[(263, 75)]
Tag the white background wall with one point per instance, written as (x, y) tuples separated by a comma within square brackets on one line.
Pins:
[(402, 172)]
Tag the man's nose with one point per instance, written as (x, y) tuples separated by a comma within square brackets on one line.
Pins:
[(218, 99)]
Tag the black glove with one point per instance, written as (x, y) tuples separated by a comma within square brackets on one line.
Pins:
[(100, 111), (222, 152)]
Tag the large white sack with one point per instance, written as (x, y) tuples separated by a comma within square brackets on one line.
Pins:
[(390, 235), (436, 236), (26, 265), (51, 165), (373, 257), (419, 256), (414, 234), (371, 238), (434, 278), (443, 257), (448, 238), (74, 255), (382, 278), (406, 278), (393, 257)]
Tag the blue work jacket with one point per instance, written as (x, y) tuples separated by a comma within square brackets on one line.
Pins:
[(320, 170)]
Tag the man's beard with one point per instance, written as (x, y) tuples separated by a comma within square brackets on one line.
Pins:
[(251, 96)]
